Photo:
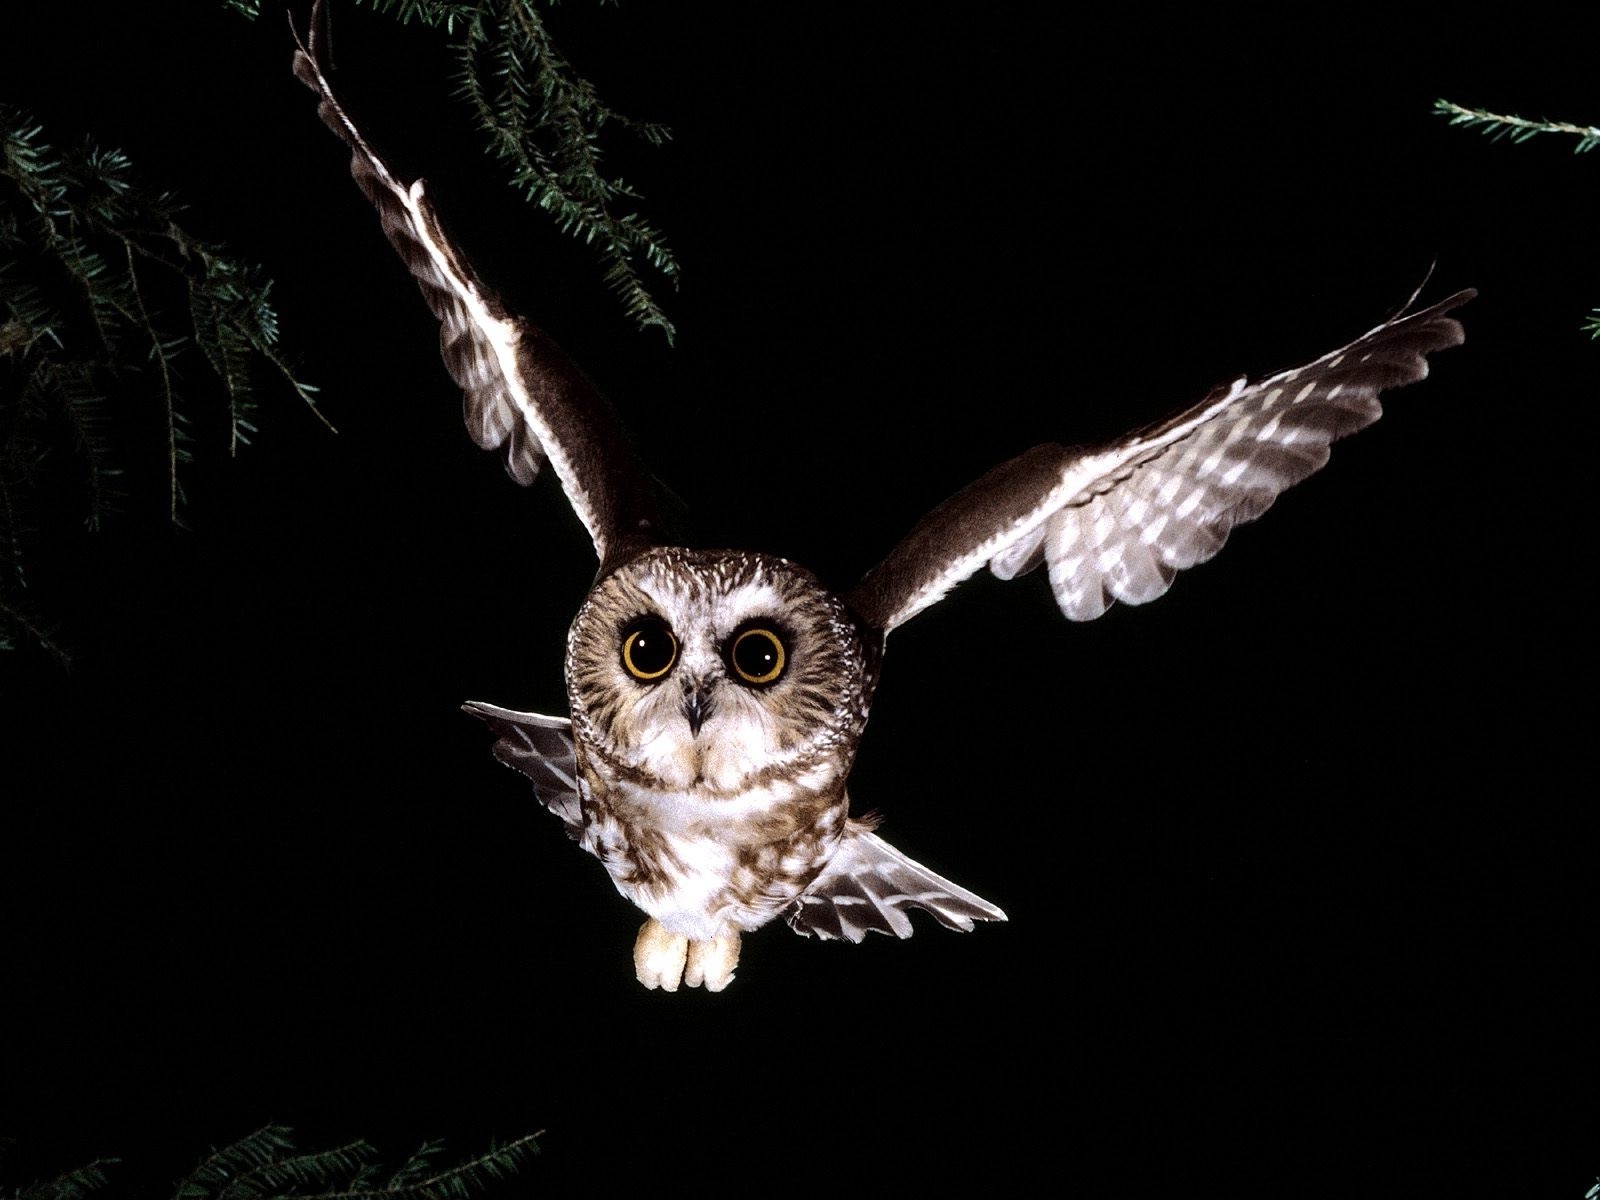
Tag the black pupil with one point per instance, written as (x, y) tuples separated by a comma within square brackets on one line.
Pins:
[(756, 654), (650, 648)]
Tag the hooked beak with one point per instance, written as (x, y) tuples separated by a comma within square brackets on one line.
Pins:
[(697, 705)]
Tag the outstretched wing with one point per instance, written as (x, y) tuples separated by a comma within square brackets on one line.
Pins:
[(868, 886), (1118, 522), (541, 748), (522, 396)]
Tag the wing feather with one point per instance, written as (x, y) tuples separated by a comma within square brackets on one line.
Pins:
[(1120, 521), (868, 887), (542, 749), (520, 394)]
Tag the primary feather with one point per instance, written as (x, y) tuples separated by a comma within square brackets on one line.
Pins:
[(521, 394), (1119, 521)]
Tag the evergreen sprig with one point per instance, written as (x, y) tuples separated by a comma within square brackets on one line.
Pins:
[(109, 309), (77, 1184), (544, 121), (1498, 126), (267, 1165), (1516, 129)]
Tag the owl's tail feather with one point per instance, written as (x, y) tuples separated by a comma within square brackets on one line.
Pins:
[(868, 886)]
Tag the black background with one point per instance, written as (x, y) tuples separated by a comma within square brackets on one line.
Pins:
[(1299, 861)]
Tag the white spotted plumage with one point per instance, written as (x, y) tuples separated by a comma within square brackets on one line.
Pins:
[(717, 696)]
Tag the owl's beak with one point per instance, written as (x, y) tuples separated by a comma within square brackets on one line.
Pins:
[(697, 705)]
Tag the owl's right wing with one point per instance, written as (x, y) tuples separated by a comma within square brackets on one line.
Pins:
[(1120, 521), (521, 395), (541, 748), (868, 886)]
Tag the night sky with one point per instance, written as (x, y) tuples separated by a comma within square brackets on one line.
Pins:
[(1300, 860)]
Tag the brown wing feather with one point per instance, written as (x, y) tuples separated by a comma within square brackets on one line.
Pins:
[(1118, 522), (521, 395)]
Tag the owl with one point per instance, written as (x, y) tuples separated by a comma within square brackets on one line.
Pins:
[(717, 697)]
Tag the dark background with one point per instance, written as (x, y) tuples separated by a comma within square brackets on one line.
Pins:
[(1300, 861)]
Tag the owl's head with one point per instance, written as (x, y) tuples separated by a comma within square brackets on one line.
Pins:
[(715, 669)]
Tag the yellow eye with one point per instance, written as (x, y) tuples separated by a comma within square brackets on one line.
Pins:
[(649, 649), (757, 656)]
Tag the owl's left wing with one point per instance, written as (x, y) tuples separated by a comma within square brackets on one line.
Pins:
[(1119, 522), (521, 394), (542, 749), (868, 886)]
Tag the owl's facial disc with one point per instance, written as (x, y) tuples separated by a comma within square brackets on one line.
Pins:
[(711, 670)]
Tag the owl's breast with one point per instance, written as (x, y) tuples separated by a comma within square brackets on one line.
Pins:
[(705, 862)]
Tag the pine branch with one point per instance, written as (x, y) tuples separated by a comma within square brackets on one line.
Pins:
[(73, 1185), (92, 266), (457, 1183), (1516, 129), (318, 1168), (266, 1165), (1499, 126), (252, 1150), (161, 353), (544, 122), (77, 397)]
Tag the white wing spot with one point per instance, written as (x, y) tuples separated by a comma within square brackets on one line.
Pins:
[(1237, 430), (1066, 567), (1305, 391), (1191, 501)]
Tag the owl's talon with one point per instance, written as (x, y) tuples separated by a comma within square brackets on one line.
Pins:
[(658, 956), (711, 963)]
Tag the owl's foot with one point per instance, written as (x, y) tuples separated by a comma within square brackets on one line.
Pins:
[(658, 956), (712, 963), (660, 959)]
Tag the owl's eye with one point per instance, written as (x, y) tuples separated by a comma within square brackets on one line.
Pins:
[(756, 655), (649, 649)]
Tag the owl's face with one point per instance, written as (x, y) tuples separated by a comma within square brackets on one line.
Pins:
[(715, 670)]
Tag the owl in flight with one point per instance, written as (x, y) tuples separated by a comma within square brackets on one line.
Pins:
[(717, 696)]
